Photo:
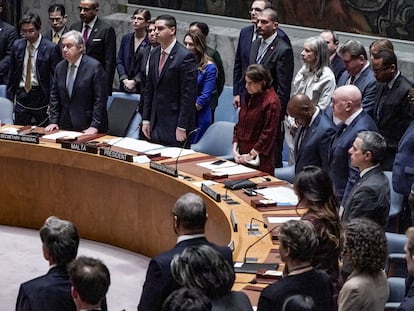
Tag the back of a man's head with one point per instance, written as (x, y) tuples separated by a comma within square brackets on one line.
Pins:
[(60, 240), (90, 280), (190, 211)]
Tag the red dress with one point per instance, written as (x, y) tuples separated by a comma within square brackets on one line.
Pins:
[(258, 126)]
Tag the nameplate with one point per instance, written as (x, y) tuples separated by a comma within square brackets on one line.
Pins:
[(79, 147), (107, 152), (22, 138), (163, 169), (211, 193)]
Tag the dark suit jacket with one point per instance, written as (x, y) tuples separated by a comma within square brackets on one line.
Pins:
[(337, 66), (159, 282), (49, 292), (314, 148), (49, 34), (403, 169), (101, 45), (241, 60), (169, 98), (394, 116), (367, 84), (279, 60), (342, 173), (87, 106), (8, 35), (47, 58), (369, 198)]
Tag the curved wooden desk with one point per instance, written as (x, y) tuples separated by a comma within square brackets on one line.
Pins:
[(110, 201)]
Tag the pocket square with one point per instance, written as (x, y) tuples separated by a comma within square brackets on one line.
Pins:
[(96, 40)]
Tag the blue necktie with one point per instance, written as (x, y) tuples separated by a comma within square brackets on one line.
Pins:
[(71, 79)]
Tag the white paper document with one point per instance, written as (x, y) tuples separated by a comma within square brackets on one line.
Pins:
[(282, 195), (62, 134), (211, 166), (133, 144), (233, 170), (174, 152)]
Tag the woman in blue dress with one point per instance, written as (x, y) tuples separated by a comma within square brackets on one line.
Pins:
[(206, 81)]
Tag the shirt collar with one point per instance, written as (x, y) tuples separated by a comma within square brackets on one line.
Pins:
[(315, 114), (391, 83), (271, 38), (353, 116), (364, 171), (169, 48), (36, 43), (186, 237), (91, 23)]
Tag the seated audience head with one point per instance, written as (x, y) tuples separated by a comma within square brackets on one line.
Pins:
[(301, 108), (354, 56), (57, 16), (409, 250), (190, 214), (365, 246), (299, 303), (90, 280), (346, 100), (384, 66), (187, 299), (298, 242), (378, 45), (200, 28), (202, 267), (258, 79), (367, 150), (315, 55), (332, 40), (60, 240)]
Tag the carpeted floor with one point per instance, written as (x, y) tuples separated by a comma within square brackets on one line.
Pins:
[(21, 259)]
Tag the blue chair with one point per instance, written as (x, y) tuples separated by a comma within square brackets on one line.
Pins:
[(217, 140), (286, 172), (397, 203), (396, 263), (3, 89), (397, 292), (6, 111), (123, 118), (225, 110)]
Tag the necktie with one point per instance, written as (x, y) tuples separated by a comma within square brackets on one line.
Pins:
[(71, 79), (162, 62), (261, 52), (56, 38), (352, 80), (28, 81), (85, 33), (381, 102)]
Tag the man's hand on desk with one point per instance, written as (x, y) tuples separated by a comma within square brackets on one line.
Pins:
[(180, 135), (51, 127), (91, 130)]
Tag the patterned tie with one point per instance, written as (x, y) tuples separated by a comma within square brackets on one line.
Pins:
[(71, 79), (56, 38), (261, 52), (28, 81), (85, 33), (162, 62)]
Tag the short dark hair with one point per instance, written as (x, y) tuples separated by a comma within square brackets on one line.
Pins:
[(190, 211), (187, 299), (31, 18), (170, 20), (91, 279), (374, 143), (145, 13), (335, 37), (388, 58), (299, 302), (202, 26), (259, 73), (57, 8), (354, 48), (61, 240)]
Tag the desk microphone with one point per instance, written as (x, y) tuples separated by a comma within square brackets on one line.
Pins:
[(250, 228), (183, 147)]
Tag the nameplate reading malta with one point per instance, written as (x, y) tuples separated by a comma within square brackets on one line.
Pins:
[(22, 138), (107, 152), (81, 147)]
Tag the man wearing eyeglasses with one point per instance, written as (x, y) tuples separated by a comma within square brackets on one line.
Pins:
[(99, 37), (32, 64), (58, 19), (392, 110)]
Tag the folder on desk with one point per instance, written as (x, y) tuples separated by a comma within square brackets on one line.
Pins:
[(253, 267)]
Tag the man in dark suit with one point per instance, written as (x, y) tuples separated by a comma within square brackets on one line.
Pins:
[(314, 134), (337, 65), (8, 35), (370, 196), (171, 88), (99, 37), (242, 59), (32, 64), (392, 111), (90, 280), (58, 19), (346, 103), (78, 98), (189, 216), (51, 292)]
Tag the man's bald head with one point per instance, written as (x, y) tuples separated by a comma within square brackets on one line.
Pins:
[(345, 101), (301, 108)]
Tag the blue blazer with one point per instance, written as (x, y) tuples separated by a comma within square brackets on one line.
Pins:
[(337, 66), (48, 56), (403, 169), (241, 60), (169, 98), (87, 105), (314, 148), (8, 35), (159, 282), (342, 173), (367, 84)]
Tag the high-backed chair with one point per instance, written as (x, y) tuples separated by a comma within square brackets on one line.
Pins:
[(286, 172), (225, 110), (397, 292), (396, 263), (397, 202), (3, 89), (6, 111), (123, 118), (217, 140)]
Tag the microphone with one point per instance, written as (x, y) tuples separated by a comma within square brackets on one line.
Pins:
[(183, 147), (252, 267), (251, 228)]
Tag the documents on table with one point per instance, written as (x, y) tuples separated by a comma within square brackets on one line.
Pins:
[(282, 195), (133, 144), (226, 168), (9, 130), (63, 134)]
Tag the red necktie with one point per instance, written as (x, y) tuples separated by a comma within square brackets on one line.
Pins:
[(85, 33), (162, 62)]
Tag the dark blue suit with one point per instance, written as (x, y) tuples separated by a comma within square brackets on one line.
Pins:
[(367, 84), (403, 170), (8, 35), (315, 144), (337, 66), (241, 61), (87, 105), (169, 98), (159, 282), (49, 35), (342, 173), (128, 61)]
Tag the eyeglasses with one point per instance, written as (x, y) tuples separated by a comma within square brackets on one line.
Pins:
[(86, 9), (27, 32), (379, 70), (255, 9)]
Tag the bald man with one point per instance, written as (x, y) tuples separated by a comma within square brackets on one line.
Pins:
[(313, 136), (346, 105)]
